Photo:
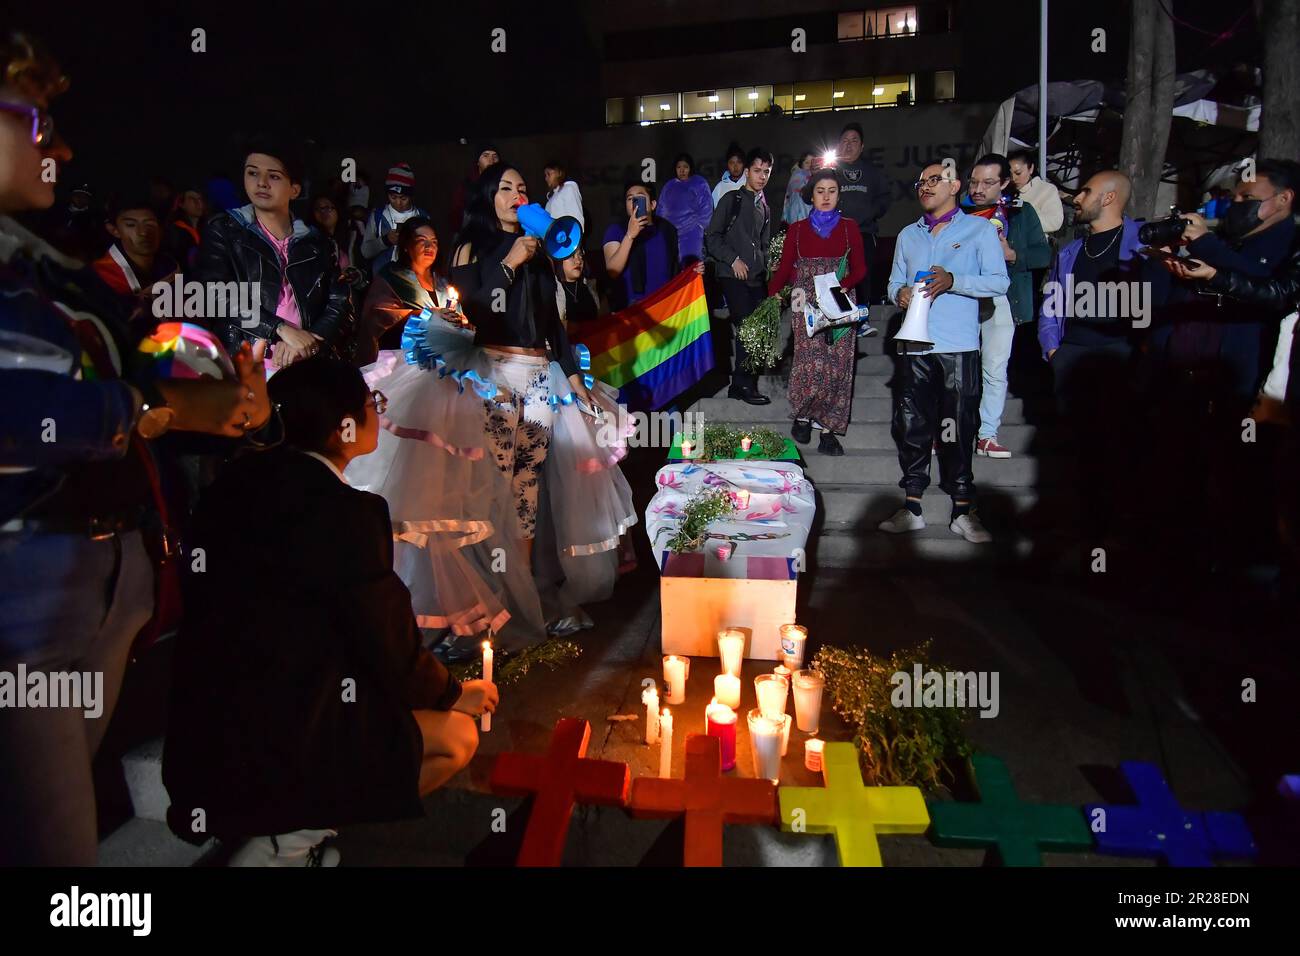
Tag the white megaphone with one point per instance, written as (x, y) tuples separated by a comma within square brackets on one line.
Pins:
[(914, 334)]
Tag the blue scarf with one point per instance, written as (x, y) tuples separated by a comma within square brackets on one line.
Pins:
[(823, 221)]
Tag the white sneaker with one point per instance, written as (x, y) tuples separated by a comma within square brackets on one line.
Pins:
[(971, 528), (301, 848), (902, 521)]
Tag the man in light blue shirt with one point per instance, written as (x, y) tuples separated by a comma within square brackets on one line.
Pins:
[(963, 262)]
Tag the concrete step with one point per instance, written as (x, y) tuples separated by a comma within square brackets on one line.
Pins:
[(848, 546), (149, 843), (872, 466), (845, 506), (861, 435), (873, 408)]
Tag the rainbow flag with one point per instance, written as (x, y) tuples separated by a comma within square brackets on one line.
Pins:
[(656, 349)]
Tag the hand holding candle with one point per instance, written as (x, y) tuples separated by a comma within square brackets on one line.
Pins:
[(485, 722)]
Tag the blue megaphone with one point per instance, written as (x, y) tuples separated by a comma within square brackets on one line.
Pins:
[(561, 237)]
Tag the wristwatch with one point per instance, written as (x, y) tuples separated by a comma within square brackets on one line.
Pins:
[(154, 420)]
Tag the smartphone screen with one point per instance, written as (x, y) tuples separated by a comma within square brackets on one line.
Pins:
[(639, 204), (842, 299)]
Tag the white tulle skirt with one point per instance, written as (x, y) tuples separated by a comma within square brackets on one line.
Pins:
[(458, 543)]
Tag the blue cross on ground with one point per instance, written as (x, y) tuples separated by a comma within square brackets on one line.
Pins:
[(1157, 826), (1018, 831)]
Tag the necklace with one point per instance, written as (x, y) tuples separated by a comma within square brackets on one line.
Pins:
[(1104, 251)]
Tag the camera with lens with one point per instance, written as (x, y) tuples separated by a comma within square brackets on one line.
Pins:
[(1163, 232)]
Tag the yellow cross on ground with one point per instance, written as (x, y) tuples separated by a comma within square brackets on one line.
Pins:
[(850, 810)]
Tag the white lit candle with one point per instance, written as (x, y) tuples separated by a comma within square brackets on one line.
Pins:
[(675, 676), (794, 641), (666, 744), (765, 743), (731, 649), (485, 722), (782, 671), (726, 687), (742, 498), (453, 298), (650, 697), (786, 721), (746, 443), (771, 692)]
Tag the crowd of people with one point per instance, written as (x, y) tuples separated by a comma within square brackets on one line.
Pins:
[(401, 450)]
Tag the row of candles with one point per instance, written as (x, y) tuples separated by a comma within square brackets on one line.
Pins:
[(769, 723), (688, 445)]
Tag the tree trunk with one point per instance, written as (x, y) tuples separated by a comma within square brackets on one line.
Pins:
[(1149, 104), (1279, 127)]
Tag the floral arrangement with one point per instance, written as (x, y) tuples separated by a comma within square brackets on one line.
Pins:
[(721, 441), (704, 508), (898, 746), (549, 654), (760, 332)]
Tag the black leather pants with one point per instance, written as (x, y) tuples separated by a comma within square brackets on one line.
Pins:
[(937, 398)]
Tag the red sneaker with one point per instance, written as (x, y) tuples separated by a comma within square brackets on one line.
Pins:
[(990, 448)]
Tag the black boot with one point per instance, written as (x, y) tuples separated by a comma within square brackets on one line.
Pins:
[(830, 445), (802, 432), (748, 393)]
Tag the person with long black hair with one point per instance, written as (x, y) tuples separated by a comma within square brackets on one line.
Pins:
[(463, 450)]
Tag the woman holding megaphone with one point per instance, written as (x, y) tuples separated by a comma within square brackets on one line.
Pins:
[(463, 449)]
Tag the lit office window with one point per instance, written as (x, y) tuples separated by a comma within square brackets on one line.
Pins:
[(853, 93), (818, 95), (707, 104), (752, 99), (783, 96), (892, 90), (614, 112), (659, 108), (945, 85), (852, 26), (891, 22)]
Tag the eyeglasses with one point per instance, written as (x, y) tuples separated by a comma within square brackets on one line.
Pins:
[(986, 183), (931, 181), (379, 400), (42, 122)]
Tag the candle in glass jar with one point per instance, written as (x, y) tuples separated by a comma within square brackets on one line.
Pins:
[(794, 639), (731, 649), (688, 448), (485, 722), (650, 697), (771, 692), (765, 742), (741, 496), (812, 753), (675, 677), (808, 699), (746, 443), (720, 722), (782, 671), (666, 744), (786, 721), (726, 687)]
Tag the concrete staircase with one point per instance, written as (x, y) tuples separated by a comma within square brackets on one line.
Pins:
[(858, 490)]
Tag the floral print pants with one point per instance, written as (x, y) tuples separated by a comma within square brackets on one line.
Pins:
[(519, 429)]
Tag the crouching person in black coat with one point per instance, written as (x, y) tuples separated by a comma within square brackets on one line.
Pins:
[(302, 698)]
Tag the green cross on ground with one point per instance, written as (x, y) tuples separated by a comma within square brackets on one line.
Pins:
[(1018, 830)]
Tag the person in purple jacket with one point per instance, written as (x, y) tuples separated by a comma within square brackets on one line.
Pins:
[(687, 202)]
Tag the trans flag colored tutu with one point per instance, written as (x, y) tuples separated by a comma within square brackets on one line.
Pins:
[(459, 548)]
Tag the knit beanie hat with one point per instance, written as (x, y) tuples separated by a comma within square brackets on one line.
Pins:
[(401, 179)]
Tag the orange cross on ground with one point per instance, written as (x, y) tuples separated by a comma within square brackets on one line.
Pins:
[(849, 809), (707, 799), (559, 780)]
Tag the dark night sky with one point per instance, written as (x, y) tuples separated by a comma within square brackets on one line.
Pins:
[(419, 72)]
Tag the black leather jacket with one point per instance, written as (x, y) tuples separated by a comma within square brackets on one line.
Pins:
[(1280, 292), (234, 249)]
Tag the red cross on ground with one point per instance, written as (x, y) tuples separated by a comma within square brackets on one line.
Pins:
[(707, 799), (854, 812), (559, 780)]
